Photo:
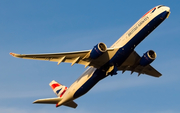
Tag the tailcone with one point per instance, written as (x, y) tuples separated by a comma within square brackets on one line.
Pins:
[(60, 103), (57, 105)]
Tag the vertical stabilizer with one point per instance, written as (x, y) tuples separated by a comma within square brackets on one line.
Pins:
[(58, 89)]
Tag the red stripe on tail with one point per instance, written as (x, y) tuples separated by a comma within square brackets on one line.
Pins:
[(63, 92)]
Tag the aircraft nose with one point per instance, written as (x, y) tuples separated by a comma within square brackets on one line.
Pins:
[(167, 9), (166, 12)]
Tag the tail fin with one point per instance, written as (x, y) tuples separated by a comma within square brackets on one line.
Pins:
[(58, 89)]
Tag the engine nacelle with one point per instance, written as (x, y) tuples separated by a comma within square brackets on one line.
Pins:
[(98, 50), (147, 58)]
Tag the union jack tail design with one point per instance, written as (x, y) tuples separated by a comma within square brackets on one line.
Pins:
[(58, 89)]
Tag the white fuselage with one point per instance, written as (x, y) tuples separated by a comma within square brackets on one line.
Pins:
[(127, 42)]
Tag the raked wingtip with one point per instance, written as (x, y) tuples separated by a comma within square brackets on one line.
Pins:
[(12, 54)]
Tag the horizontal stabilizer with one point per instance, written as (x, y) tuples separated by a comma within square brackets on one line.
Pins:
[(48, 100), (71, 104)]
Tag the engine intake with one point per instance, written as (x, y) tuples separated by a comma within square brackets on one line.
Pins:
[(148, 58), (98, 50)]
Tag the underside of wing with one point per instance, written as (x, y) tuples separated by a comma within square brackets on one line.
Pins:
[(79, 57), (68, 57), (132, 64)]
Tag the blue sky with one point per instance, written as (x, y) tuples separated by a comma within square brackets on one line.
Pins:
[(44, 26)]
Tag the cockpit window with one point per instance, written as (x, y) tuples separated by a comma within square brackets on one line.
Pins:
[(153, 10), (160, 6)]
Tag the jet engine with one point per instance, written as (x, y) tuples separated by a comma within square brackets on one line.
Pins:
[(147, 58), (98, 50)]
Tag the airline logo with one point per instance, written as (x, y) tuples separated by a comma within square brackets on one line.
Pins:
[(58, 89)]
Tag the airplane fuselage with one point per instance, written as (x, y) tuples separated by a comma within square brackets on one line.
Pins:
[(123, 48)]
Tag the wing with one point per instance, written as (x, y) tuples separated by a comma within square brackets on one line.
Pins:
[(79, 57), (132, 64)]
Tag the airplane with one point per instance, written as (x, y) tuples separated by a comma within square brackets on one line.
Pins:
[(102, 61)]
